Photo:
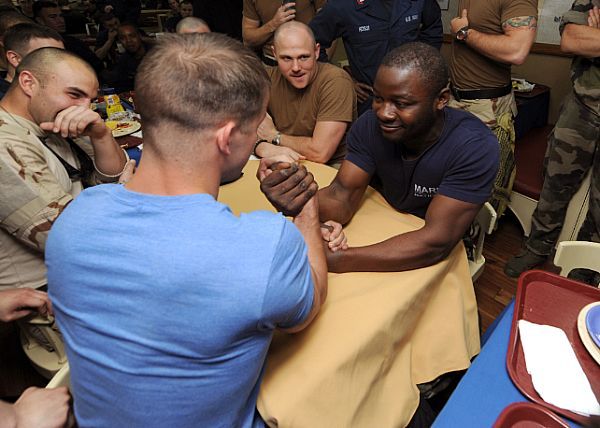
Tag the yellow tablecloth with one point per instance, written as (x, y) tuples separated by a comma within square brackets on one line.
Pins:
[(376, 337)]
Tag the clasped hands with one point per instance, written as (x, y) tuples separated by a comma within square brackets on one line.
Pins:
[(290, 188)]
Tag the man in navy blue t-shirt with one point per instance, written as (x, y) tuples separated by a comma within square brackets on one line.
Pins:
[(426, 159)]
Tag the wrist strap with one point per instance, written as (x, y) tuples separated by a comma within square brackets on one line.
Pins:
[(262, 140)]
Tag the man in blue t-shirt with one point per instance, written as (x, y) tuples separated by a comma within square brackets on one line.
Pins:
[(426, 159), (167, 301)]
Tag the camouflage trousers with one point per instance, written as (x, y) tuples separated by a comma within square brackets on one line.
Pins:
[(572, 152), (497, 114)]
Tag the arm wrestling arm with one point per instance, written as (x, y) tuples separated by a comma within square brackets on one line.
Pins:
[(583, 39), (446, 221), (291, 189), (308, 224), (340, 200), (512, 47)]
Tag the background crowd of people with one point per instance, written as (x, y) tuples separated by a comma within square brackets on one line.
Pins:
[(451, 124)]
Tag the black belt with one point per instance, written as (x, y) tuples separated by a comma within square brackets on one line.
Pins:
[(476, 94)]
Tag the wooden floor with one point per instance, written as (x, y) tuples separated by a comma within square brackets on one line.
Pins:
[(493, 289)]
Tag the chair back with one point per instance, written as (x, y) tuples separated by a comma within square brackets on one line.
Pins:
[(577, 255), (61, 378), (42, 343), (485, 222)]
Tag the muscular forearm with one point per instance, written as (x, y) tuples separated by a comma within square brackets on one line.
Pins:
[(581, 40), (316, 151), (408, 251), (333, 206), (499, 47), (108, 156), (256, 37), (308, 224), (323, 143)]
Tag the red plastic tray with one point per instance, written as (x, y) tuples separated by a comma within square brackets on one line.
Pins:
[(528, 415), (546, 298)]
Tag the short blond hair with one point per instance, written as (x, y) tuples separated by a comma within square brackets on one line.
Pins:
[(197, 82)]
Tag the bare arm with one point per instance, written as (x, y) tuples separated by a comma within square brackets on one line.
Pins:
[(256, 35), (75, 121), (581, 39), (102, 51), (308, 224), (326, 137), (340, 200), (446, 221), (512, 47), (291, 189)]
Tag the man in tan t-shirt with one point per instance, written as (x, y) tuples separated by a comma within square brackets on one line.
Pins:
[(490, 36), (261, 18), (312, 104)]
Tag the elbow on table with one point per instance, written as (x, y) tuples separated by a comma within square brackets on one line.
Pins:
[(439, 253), (319, 153), (318, 157)]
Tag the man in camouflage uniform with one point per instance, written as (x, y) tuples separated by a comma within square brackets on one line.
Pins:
[(573, 146), (41, 168), (44, 163)]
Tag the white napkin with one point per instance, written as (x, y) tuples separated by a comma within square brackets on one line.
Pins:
[(554, 369)]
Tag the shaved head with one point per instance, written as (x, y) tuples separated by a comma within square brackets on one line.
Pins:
[(294, 28), (191, 24), (44, 61)]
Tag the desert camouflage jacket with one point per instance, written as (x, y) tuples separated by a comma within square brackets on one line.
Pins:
[(34, 189)]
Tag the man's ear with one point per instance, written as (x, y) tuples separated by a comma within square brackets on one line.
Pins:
[(317, 50), (442, 99), (13, 58), (27, 82), (223, 137), (273, 51)]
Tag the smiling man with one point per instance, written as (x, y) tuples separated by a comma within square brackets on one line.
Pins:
[(44, 163), (312, 104), (426, 159)]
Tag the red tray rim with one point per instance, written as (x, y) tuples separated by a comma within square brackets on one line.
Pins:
[(514, 341), (511, 408)]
